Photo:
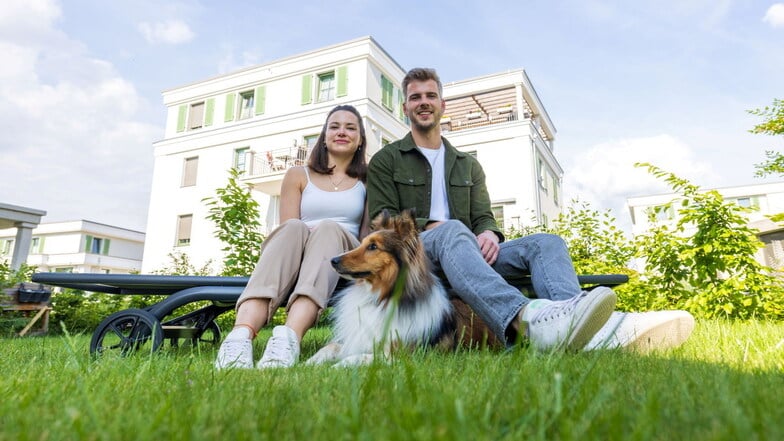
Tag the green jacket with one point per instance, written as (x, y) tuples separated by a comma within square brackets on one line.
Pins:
[(399, 177)]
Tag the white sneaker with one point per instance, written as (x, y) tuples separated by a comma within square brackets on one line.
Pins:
[(568, 324), (644, 331), (282, 349), (235, 354)]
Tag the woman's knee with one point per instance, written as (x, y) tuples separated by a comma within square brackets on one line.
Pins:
[(327, 226), (293, 224)]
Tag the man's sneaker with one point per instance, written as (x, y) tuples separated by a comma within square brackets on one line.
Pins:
[(568, 324), (282, 349), (235, 354), (644, 331)]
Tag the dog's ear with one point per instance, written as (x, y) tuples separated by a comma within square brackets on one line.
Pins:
[(382, 221), (406, 223)]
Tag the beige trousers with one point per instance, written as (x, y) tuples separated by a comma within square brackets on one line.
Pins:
[(295, 261)]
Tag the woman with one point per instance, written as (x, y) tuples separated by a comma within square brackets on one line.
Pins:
[(322, 214)]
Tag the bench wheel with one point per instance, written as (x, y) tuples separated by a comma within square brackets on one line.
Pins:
[(127, 331)]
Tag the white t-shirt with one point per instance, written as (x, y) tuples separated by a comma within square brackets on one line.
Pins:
[(439, 205), (344, 207)]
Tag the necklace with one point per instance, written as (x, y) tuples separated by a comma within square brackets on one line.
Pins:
[(334, 185)]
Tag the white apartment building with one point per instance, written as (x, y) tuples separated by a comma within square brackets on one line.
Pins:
[(80, 247), (762, 199), (264, 120)]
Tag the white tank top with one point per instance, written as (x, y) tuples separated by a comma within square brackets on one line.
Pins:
[(344, 207)]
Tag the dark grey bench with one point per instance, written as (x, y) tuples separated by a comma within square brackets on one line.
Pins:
[(132, 329)]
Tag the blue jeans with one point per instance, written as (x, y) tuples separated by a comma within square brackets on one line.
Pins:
[(453, 249)]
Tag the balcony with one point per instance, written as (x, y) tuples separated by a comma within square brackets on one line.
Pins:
[(481, 109), (266, 168), (474, 120)]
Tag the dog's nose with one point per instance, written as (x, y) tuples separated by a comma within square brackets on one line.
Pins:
[(335, 261)]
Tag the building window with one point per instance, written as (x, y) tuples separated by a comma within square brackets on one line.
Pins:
[(326, 86), (196, 116), (189, 170), (498, 214), (310, 142), (96, 245), (662, 213), (8, 245), (555, 190), (240, 159), (184, 229), (64, 269), (750, 202), (247, 104), (35, 245)]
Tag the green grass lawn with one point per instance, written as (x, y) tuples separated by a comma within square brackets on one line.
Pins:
[(726, 382)]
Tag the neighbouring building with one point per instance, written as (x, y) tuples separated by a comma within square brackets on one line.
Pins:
[(762, 200), (80, 247), (19, 222), (264, 119)]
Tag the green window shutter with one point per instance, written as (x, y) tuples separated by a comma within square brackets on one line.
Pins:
[(386, 92), (88, 243), (182, 112), (307, 89), (342, 80), (41, 244), (209, 110), (105, 250), (261, 94), (229, 115)]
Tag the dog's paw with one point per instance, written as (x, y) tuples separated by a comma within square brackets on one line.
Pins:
[(326, 354)]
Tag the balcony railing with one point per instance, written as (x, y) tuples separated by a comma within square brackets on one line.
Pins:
[(277, 161), (473, 120)]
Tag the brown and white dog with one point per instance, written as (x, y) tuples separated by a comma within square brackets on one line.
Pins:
[(395, 300)]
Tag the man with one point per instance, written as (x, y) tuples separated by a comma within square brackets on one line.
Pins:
[(447, 188)]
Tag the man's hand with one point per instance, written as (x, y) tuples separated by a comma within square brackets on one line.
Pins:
[(488, 244)]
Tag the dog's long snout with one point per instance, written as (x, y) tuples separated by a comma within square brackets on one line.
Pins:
[(335, 261)]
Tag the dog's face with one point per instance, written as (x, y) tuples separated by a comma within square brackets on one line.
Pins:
[(392, 245)]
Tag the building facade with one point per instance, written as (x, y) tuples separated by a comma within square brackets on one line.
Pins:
[(80, 247), (762, 201), (265, 119)]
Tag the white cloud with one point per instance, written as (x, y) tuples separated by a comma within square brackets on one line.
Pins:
[(168, 32), (775, 15), (73, 142), (605, 175), (229, 62)]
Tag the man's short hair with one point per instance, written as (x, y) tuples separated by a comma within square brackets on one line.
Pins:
[(422, 74)]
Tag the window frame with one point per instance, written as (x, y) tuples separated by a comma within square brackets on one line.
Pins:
[(246, 104), (192, 113), (187, 180), (183, 227), (331, 91)]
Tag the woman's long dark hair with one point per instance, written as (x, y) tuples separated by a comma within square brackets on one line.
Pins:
[(319, 160)]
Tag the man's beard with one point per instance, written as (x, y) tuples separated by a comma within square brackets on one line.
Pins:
[(426, 126)]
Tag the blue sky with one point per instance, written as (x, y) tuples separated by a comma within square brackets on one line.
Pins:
[(668, 82)]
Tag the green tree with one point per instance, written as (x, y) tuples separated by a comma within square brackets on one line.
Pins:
[(712, 271), (772, 124), (236, 217)]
